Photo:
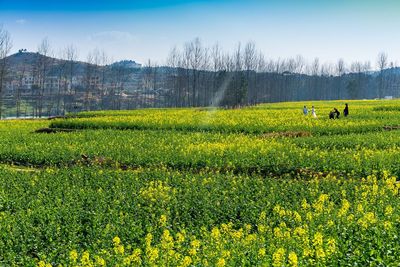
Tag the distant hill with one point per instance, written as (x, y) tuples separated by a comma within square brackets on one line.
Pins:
[(129, 64), (28, 60)]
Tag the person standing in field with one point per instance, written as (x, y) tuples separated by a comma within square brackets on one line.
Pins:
[(313, 113), (305, 111), (346, 110)]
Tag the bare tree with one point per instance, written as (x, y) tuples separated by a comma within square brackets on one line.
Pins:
[(97, 81), (18, 92), (61, 81), (174, 79), (340, 69), (90, 80), (300, 64), (104, 64), (315, 67), (250, 64), (382, 62), (5, 48), (43, 62), (197, 54), (71, 94)]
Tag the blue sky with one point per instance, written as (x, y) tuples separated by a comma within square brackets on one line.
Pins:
[(143, 29)]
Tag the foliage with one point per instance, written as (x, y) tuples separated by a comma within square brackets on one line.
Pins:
[(179, 192)]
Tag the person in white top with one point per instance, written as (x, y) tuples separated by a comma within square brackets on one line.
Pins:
[(313, 113)]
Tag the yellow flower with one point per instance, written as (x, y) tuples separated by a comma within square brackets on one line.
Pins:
[(388, 210), (360, 208), (375, 189), (85, 260), (297, 216), (180, 238), (262, 217), (368, 219), (331, 246), (237, 234), (195, 243), (100, 261), (226, 254), (319, 253), (250, 239), (167, 241), (262, 252), (304, 204), (318, 239), (293, 261), (192, 251), (135, 257), (163, 220), (221, 262), (345, 207), (116, 241), (215, 233), (186, 261), (153, 254), (278, 258), (387, 225), (148, 239), (41, 264), (261, 228), (309, 216), (73, 255), (299, 231), (306, 252), (279, 210), (119, 249), (278, 232)]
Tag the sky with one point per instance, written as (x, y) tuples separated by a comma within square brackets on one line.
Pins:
[(142, 29)]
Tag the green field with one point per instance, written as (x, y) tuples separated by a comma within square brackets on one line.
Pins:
[(259, 186)]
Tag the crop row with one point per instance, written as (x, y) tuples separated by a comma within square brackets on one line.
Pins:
[(260, 119), (180, 150)]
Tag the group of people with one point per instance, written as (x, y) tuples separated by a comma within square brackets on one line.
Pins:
[(333, 114), (313, 113)]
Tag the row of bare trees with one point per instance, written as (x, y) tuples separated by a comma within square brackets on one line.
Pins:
[(194, 75), (204, 76)]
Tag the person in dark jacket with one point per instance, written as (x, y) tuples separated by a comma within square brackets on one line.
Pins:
[(346, 110), (332, 115), (337, 113)]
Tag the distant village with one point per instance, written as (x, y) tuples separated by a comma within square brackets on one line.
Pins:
[(37, 86)]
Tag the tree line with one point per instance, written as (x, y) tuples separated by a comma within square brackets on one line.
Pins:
[(193, 75)]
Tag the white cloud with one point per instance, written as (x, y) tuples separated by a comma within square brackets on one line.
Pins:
[(112, 36), (20, 21)]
